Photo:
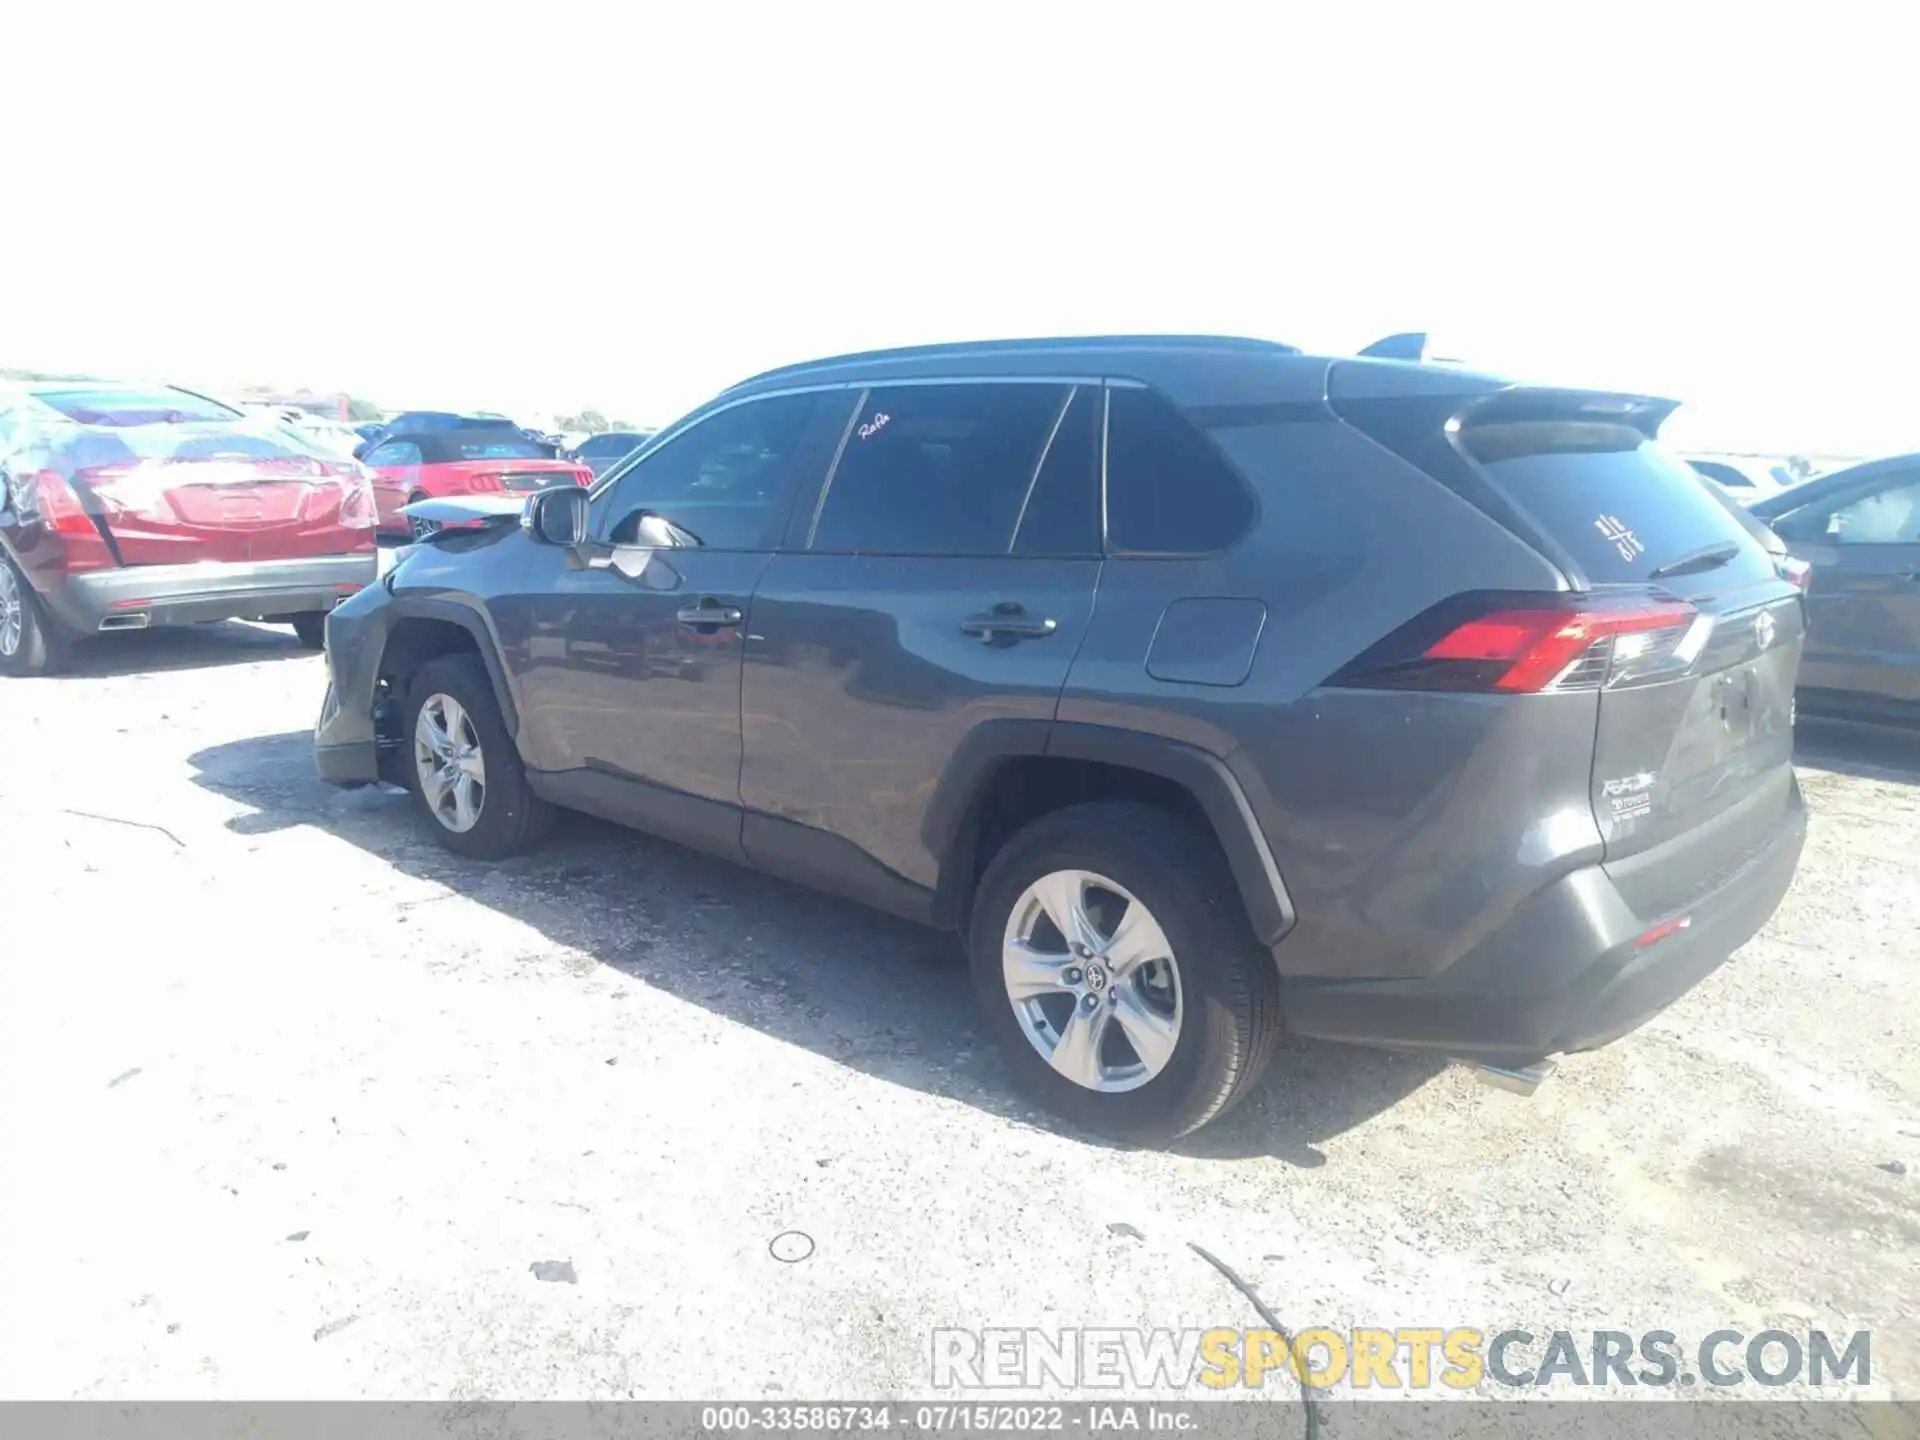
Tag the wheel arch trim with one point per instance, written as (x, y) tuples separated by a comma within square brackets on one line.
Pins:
[(953, 812), (475, 624)]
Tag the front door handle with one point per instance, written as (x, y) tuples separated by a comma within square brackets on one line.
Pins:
[(709, 612), (1009, 621)]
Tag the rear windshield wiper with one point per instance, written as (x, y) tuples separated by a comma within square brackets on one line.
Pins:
[(1707, 557)]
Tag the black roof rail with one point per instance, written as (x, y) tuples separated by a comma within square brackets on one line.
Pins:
[(1408, 345), (1027, 347)]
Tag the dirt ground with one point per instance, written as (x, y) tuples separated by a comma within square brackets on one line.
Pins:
[(295, 1104)]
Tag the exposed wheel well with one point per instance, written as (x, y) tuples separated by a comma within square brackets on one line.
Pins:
[(411, 643), (414, 641), (1020, 790)]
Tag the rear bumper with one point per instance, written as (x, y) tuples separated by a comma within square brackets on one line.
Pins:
[(143, 595), (1564, 974)]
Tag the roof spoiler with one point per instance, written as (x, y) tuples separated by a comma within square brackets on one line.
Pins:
[(1408, 345)]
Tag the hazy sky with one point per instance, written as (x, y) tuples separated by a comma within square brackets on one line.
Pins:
[(543, 205)]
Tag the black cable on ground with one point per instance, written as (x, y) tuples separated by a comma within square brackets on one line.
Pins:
[(1272, 1323)]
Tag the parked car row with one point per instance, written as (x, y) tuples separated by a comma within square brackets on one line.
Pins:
[(1196, 682)]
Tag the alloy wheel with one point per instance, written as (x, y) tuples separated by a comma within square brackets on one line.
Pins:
[(13, 617), (1092, 981), (448, 760)]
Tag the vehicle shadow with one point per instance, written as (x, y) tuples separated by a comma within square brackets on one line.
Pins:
[(180, 647), (1869, 751), (880, 995)]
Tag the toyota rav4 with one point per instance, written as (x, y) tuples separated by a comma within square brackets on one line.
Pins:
[(1207, 688)]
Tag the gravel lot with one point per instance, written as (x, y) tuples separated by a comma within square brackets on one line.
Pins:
[(294, 1102)]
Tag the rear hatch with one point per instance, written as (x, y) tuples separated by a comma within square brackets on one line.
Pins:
[(169, 494), (1698, 645)]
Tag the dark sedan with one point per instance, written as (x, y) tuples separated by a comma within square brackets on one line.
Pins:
[(602, 452), (1859, 529)]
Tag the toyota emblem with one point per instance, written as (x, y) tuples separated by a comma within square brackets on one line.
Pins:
[(1763, 629)]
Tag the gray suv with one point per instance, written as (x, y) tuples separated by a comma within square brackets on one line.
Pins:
[(1207, 688)]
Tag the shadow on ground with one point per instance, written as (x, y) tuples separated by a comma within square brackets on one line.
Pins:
[(181, 647), (1870, 751), (885, 997)]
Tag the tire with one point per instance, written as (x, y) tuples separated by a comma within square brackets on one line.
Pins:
[(1225, 991), (311, 628), (28, 644), (418, 529), (510, 817)]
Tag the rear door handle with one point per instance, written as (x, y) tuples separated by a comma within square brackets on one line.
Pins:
[(709, 612), (1009, 621)]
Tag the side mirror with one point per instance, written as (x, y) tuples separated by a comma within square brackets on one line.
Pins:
[(558, 516)]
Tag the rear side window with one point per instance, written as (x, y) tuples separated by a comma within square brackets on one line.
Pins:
[(1168, 490), (939, 469), (1061, 515), (157, 406), (1620, 505)]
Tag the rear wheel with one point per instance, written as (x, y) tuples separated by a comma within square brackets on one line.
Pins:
[(417, 528), (463, 766), (1115, 967), (311, 628), (27, 645)]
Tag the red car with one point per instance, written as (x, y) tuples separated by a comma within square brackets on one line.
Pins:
[(123, 507), (437, 464)]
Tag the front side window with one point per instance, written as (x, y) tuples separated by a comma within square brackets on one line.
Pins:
[(1168, 490), (395, 452), (939, 469), (1890, 515), (725, 483)]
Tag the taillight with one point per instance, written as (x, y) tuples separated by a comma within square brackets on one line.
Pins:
[(357, 510), (62, 513), (1798, 572), (583, 476), (1489, 644)]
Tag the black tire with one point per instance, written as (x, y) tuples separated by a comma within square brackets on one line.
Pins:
[(512, 818), (40, 649), (1230, 994), (311, 628), (418, 530)]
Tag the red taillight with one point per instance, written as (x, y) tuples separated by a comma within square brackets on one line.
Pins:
[(1536, 646), (1523, 643), (583, 476), (1799, 572), (1664, 930), (62, 513)]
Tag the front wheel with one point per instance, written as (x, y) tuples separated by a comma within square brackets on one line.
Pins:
[(1114, 964), (28, 646), (463, 766)]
